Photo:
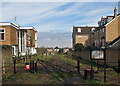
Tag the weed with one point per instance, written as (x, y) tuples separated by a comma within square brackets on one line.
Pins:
[(6, 77)]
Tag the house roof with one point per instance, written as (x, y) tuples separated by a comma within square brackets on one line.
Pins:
[(8, 24), (28, 28)]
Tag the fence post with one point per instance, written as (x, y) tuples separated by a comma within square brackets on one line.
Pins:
[(32, 66), (78, 66), (14, 66), (36, 67), (118, 66)]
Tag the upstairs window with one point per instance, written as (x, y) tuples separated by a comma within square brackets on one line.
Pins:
[(86, 37), (92, 30), (2, 34), (79, 30), (79, 37), (103, 29)]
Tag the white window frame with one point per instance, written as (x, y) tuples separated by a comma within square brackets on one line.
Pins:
[(4, 34)]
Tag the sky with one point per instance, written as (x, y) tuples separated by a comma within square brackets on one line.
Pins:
[(54, 20)]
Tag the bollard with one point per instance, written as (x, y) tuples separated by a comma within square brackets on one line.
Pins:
[(14, 66), (87, 74), (36, 67)]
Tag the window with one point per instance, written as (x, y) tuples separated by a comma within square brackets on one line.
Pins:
[(79, 30), (103, 29), (95, 42), (2, 34), (86, 37), (86, 44), (95, 34), (92, 30), (79, 37), (28, 42)]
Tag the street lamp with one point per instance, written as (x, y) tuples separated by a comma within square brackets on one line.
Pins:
[(104, 48)]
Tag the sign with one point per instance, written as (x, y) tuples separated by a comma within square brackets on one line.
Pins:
[(27, 66), (97, 54)]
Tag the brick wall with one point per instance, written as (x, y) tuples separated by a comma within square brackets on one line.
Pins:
[(7, 55), (32, 33), (10, 35), (112, 56)]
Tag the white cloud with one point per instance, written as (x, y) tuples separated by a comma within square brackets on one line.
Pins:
[(60, 0)]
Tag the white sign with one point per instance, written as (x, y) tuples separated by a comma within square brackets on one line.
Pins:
[(97, 54)]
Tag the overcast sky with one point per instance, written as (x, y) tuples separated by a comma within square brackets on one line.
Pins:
[(54, 20)]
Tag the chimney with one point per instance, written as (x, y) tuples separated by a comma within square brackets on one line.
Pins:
[(102, 18), (115, 12)]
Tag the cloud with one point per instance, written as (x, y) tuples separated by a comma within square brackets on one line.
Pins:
[(62, 39), (60, 0), (53, 20)]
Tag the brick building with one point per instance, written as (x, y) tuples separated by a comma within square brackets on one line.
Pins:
[(19, 39), (108, 29), (31, 39), (83, 35)]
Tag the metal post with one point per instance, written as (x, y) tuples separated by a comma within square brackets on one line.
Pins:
[(36, 67), (32, 66), (118, 66), (91, 69), (105, 65), (97, 66), (78, 66), (14, 66)]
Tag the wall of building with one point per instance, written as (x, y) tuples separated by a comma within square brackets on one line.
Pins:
[(10, 35), (82, 40), (28, 40), (119, 25), (32, 33), (112, 30), (7, 55)]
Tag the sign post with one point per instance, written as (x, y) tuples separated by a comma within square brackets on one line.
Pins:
[(105, 66), (98, 54)]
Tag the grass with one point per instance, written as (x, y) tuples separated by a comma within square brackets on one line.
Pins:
[(113, 74), (6, 77), (67, 60), (46, 58), (95, 82), (55, 77)]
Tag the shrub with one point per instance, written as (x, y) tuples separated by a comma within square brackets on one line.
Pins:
[(78, 47), (90, 48)]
